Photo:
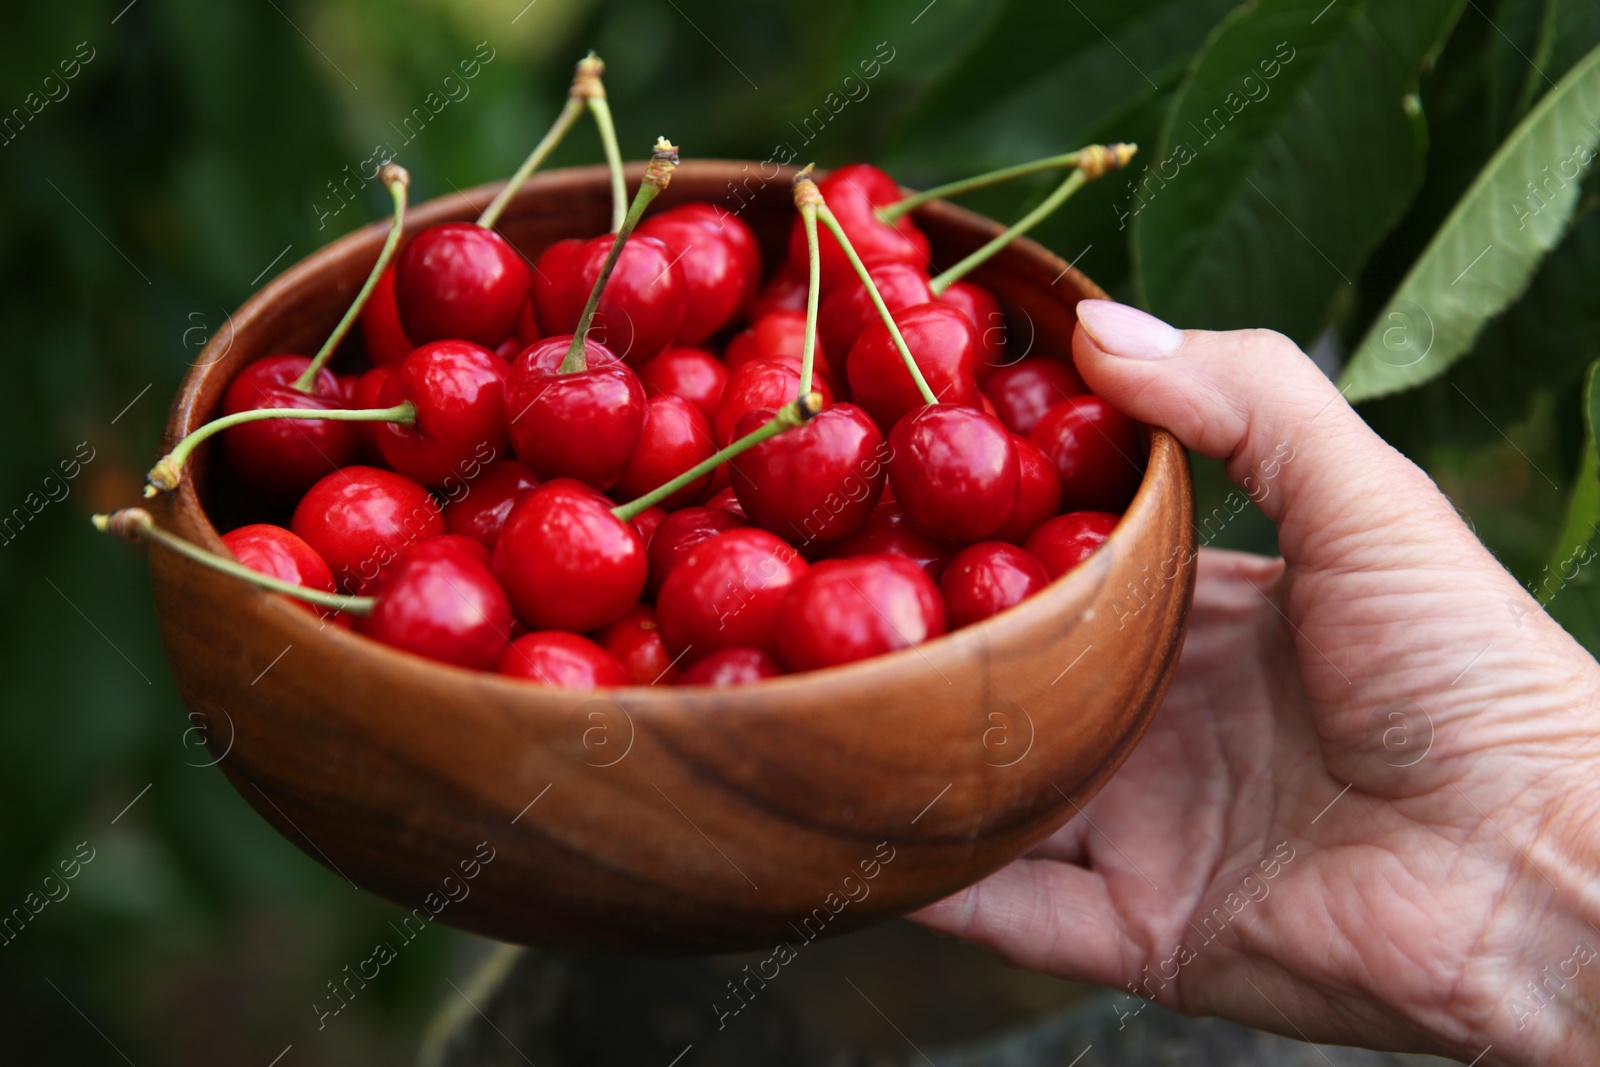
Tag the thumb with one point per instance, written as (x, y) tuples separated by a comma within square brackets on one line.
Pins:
[(1341, 496)]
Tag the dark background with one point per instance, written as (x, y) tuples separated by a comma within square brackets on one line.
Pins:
[(186, 164)]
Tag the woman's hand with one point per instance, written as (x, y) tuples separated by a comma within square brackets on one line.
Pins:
[(1369, 810)]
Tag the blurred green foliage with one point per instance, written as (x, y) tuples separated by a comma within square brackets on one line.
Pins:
[(186, 158)]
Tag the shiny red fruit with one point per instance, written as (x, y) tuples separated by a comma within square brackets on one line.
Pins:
[(888, 531), (848, 309), (674, 438), (692, 373), (979, 305), (635, 639), (759, 384), (480, 511), (582, 425), (1038, 493), (955, 472), (458, 390), (726, 499), (780, 336), (854, 194), (816, 483), (787, 291), (647, 522), (361, 392), (562, 661), (680, 532), (459, 282), (732, 666), (566, 561), (359, 519), (986, 579), (845, 610), (382, 335), (1028, 388), (281, 554), (278, 459), (1096, 450), (1067, 540), (726, 592), (945, 346), (642, 308), (718, 260), (445, 605)]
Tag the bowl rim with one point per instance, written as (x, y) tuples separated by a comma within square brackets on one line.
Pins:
[(1066, 596)]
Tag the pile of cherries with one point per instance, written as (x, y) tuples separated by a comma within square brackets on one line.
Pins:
[(492, 518)]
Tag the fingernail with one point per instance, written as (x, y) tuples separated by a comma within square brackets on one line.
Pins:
[(1128, 332)]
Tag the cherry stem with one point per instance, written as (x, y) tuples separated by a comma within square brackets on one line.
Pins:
[(796, 412), (136, 524), (167, 474), (807, 197), (983, 181), (585, 85), (601, 110), (399, 182), (657, 175), (1093, 161), (827, 219)]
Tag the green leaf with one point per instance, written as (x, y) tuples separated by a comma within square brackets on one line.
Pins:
[(1487, 251), (1294, 146), (1583, 510)]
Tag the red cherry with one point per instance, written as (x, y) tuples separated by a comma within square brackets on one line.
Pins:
[(1096, 450), (719, 277), (459, 282), (979, 305), (1025, 390), (944, 344), (726, 592), (480, 512), (362, 391), (1038, 493), (1067, 540), (844, 610), (987, 578), (458, 390), (815, 483), (647, 522), (681, 531), (381, 333), (692, 373), (566, 561), (779, 336), (281, 554), (727, 500), (848, 309), (757, 385), (527, 330), (583, 425), (442, 604), (278, 459), (732, 666), (444, 546), (359, 518), (642, 307), (954, 471), (635, 639), (887, 531), (787, 291), (854, 193), (675, 437), (562, 661)]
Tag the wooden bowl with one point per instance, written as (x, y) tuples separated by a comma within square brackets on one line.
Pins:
[(671, 820)]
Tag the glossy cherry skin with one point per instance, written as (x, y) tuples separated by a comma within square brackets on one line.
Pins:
[(635, 640), (362, 392), (944, 344), (816, 483), (1038, 493), (642, 307), (444, 546), (1096, 451), (780, 336), (480, 512), (786, 291), (566, 562), (680, 532), (692, 373), (458, 390), (987, 578), (281, 554), (675, 437), (359, 518), (583, 425), (647, 522), (278, 459), (845, 610), (726, 591), (888, 531), (1025, 390), (459, 282), (445, 605), (1067, 540), (562, 661), (382, 336), (854, 193), (979, 305), (955, 471), (726, 499), (732, 666), (759, 385), (719, 277), (848, 309)]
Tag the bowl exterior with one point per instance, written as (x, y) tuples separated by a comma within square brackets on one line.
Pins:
[(672, 820)]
